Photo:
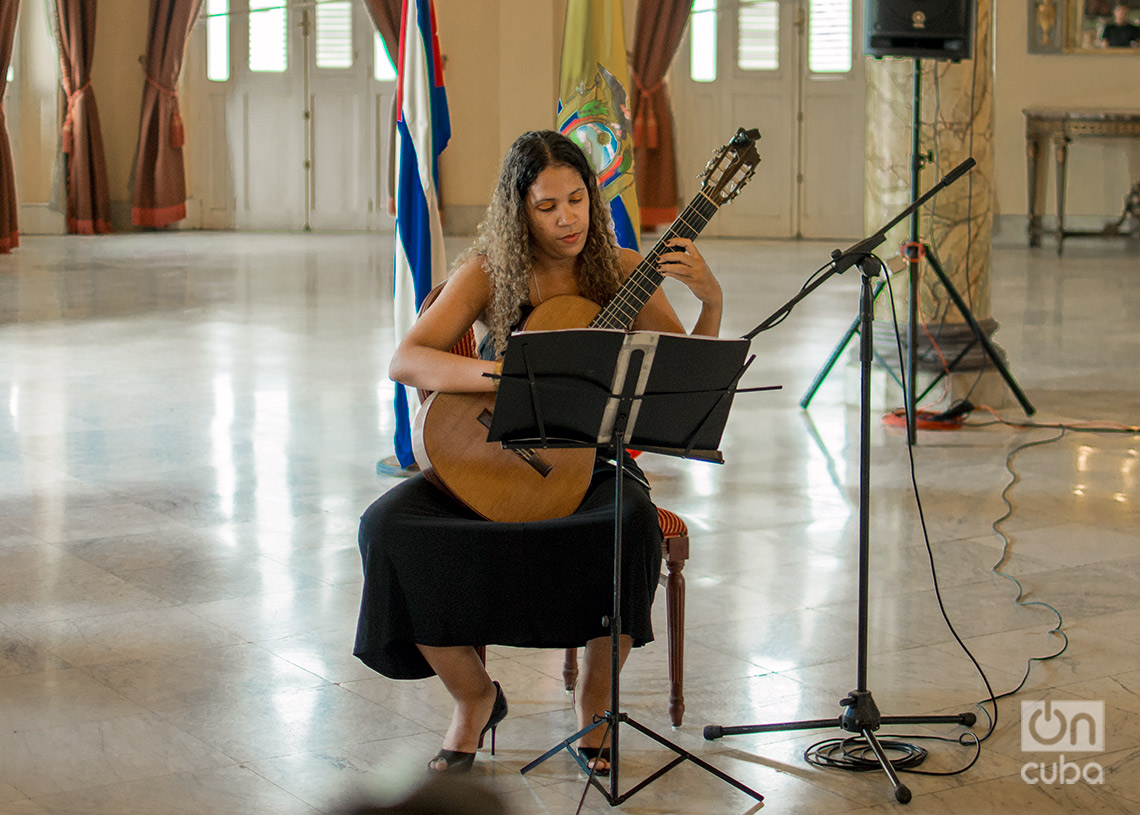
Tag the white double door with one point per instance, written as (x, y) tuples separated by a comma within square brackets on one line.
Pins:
[(810, 182), (268, 160)]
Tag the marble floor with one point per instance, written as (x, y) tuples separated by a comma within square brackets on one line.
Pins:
[(189, 432)]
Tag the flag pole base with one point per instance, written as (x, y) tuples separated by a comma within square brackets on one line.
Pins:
[(391, 467)]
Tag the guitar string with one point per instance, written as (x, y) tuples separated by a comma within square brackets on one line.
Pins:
[(637, 291), (648, 268), (627, 304), (621, 312)]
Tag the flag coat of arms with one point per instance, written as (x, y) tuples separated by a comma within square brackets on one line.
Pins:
[(423, 129), (594, 106)]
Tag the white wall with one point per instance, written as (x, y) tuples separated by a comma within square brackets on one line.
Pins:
[(1100, 171)]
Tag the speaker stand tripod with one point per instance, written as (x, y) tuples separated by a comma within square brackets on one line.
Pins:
[(861, 715), (916, 251)]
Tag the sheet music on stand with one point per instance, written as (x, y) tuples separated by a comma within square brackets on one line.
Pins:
[(665, 393)]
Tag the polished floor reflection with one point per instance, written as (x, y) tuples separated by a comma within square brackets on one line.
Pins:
[(190, 428)]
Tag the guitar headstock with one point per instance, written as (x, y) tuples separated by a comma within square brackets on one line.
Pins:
[(729, 170)]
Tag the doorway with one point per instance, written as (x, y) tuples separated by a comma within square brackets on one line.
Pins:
[(294, 101), (792, 69)]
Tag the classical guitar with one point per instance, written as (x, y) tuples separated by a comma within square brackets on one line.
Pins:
[(449, 435)]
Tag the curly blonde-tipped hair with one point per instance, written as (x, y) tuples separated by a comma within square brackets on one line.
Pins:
[(503, 238)]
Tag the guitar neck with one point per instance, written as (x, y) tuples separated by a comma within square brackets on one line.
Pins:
[(624, 307)]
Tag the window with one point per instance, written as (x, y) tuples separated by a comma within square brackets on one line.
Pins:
[(383, 68), (758, 47), (829, 36), (267, 43), (334, 34), (217, 40), (702, 41)]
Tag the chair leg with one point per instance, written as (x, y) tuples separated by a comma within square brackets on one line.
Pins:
[(570, 670), (676, 553)]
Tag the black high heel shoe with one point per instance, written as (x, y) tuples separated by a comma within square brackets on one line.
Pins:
[(461, 762), (596, 754)]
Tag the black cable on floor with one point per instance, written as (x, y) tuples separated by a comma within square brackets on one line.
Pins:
[(1063, 427), (996, 569), (854, 754)]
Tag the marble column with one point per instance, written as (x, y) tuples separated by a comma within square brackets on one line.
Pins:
[(956, 109)]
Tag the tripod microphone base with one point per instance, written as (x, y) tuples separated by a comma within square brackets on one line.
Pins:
[(713, 732), (861, 715), (902, 793)]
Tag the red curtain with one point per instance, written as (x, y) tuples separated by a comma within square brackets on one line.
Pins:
[(158, 188), (657, 33), (88, 199), (386, 17), (9, 205)]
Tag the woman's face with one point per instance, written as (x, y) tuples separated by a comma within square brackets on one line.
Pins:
[(558, 209)]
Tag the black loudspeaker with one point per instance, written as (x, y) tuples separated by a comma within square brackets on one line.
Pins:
[(925, 29)]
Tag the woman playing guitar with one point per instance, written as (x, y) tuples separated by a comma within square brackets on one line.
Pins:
[(439, 579)]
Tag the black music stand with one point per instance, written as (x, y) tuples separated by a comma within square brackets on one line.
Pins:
[(607, 389), (860, 715)]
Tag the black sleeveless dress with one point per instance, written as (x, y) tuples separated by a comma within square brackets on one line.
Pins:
[(437, 574)]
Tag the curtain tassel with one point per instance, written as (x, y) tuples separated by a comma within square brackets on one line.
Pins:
[(645, 133), (68, 131), (177, 129)]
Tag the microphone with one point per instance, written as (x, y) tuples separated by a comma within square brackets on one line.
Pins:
[(958, 171)]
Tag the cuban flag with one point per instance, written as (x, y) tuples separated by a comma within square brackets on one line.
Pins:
[(423, 129)]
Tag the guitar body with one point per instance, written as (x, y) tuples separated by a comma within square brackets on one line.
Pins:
[(449, 440)]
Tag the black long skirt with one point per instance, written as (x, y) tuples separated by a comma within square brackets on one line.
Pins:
[(436, 574)]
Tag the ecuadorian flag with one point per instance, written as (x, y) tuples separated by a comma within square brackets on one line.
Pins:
[(422, 131), (593, 105)]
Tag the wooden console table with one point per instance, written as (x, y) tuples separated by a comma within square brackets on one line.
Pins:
[(1060, 126)]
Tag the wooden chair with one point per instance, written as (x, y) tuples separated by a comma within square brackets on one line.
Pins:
[(674, 553)]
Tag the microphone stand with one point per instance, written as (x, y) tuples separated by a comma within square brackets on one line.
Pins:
[(861, 715)]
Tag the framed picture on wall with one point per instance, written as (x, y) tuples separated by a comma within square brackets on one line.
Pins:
[(1084, 26)]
